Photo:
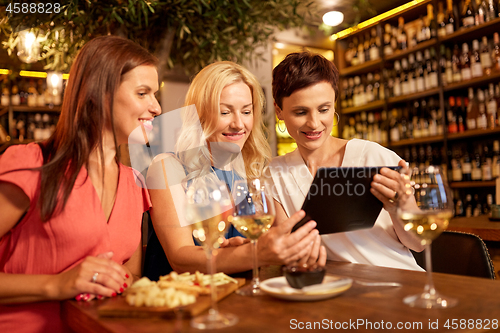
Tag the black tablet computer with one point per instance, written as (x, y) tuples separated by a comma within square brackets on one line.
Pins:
[(340, 200)]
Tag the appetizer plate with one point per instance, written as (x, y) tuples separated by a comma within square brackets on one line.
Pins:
[(279, 287)]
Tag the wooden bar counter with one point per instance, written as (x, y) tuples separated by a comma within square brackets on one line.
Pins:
[(480, 225), (361, 308)]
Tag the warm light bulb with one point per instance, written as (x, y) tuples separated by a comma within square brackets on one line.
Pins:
[(333, 18)]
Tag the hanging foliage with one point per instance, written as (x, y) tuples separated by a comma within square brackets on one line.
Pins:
[(197, 32)]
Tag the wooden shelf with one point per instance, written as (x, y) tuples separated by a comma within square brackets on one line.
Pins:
[(476, 184), (465, 35), (361, 69), (419, 141), (4, 110), (494, 76), (473, 133), (401, 54), (411, 97), (25, 108), (367, 107)]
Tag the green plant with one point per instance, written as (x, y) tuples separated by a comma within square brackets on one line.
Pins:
[(188, 33)]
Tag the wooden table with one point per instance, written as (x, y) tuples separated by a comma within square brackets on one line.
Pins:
[(480, 225), (361, 307)]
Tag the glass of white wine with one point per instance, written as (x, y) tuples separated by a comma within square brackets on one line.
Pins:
[(426, 209), (253, 215), (207, 208)]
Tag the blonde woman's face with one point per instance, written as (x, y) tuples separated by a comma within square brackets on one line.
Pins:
[(236, 115)]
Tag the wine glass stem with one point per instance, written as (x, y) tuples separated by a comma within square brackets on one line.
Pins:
[(212, 255), (429, 286), (255, 280)]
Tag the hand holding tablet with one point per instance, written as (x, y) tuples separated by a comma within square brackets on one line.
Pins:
[(340, 200)]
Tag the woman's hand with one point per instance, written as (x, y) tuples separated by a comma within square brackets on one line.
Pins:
[(234, 241), (281, 247), (389, 187), (93, 276), (392, 188), (317, 256)]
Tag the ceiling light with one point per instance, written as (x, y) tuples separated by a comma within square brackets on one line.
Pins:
[(333, 18)]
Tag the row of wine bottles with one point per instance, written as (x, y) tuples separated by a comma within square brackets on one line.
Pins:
[(33, 126), (27, 91), (368, 47), (473, 205)]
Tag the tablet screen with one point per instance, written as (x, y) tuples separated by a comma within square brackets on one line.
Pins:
[(340, 200)]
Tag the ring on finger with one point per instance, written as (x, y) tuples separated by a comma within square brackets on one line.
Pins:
[(94, 277)]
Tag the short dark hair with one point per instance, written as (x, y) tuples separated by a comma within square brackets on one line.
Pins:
[(300, 70)]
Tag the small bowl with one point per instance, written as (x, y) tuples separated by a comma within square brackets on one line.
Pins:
[(300, 277)]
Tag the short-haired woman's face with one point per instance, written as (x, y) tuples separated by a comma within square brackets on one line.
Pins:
[(309, 114), (135, 102), (236, 115)]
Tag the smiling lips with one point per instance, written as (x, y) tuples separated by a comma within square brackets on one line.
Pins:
[(234, 136), (313, 135), (148, 123)]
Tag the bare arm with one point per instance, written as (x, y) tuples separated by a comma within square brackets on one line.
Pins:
[(22, 288)]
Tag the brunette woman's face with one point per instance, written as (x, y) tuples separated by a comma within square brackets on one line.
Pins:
[(135, 103), (309, 114), (236, 115)]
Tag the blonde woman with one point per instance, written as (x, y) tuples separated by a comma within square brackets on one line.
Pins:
[(226, 119)]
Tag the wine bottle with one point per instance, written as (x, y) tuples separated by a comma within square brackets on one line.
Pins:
[(491, 13), (472, 110), (441, 21), (482, 119), (387, 40), (456, 66), (468, 15), (476, 67), (495, 160), (476, 173), (450, 18), (486, 164), (402, 40), (468, 205), (496, 52), (480, 16), (491, 107), (432, 24), (466, 167), (486, 57), (456, 168), (374, 50), (465, 63)]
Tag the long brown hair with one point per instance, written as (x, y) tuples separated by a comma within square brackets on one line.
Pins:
[(86, 110)]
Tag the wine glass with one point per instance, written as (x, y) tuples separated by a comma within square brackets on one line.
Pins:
[(426, 209), (207, 208), (253, 215)]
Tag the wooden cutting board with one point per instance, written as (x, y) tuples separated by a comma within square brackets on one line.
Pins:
[(118, 307)]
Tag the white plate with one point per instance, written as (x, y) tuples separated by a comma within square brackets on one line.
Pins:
[(279, 287)]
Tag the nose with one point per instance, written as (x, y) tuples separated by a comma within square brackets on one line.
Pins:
[(237, 122), (312, 120), (155, 107)]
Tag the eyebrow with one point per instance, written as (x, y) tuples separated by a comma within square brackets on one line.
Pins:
[(231, 106), (298, 107)]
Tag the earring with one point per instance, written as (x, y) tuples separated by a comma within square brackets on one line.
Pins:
[(338, 119), (279, 128)]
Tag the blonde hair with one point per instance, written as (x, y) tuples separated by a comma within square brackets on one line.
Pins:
[(204, 93)]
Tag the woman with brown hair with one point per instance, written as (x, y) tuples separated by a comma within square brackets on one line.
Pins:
[(71, 213)]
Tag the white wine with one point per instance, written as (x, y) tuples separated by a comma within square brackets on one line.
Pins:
[(426, 225), (253, 226), (210, 232)]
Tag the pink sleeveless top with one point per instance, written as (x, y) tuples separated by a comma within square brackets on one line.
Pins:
[(81, 230)]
